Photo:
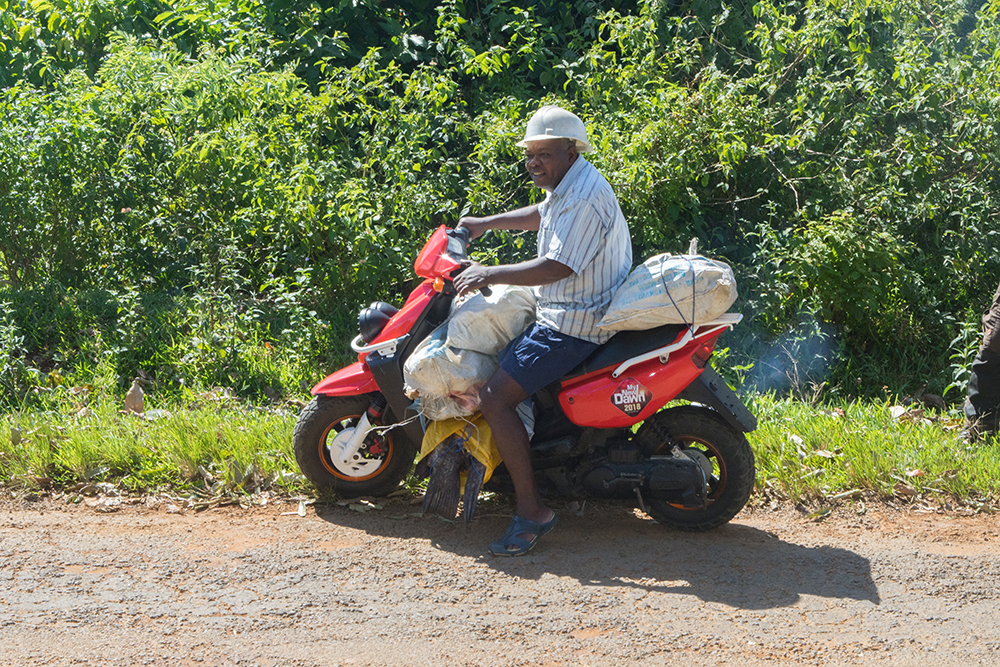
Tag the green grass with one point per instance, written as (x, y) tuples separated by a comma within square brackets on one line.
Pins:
[(212, 446), (841, 450)]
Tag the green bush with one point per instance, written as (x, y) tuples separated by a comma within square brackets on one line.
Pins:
[(221, 171)]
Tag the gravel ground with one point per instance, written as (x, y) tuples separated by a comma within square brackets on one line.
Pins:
[(149, 584)]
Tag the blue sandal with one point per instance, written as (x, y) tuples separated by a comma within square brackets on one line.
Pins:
[(521, 526)]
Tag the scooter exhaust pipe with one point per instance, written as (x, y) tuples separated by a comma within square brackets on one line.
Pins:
[(679, 480)]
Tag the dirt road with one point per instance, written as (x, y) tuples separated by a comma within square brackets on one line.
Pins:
[(267, 587)]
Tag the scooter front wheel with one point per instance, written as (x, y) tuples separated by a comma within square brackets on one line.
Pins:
[(322, 431)]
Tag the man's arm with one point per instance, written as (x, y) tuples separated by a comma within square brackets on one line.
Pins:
[(526, 219), (541, 271)]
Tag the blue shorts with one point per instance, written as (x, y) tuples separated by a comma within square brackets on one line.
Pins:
[(540, 356)]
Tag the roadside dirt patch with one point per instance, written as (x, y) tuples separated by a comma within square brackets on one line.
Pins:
[(265, 586)]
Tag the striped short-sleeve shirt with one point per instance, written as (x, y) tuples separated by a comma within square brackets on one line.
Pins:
[(582, 226)]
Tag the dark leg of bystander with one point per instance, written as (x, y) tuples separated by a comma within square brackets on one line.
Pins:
[(982, 409)]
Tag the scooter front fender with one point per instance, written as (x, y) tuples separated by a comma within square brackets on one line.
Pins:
[(350, 381)]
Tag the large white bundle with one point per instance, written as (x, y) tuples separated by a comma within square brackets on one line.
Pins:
[(449, 367), (671, 289), (487, 323), (437, 369)]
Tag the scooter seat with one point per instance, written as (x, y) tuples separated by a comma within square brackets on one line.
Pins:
[(627, 344)]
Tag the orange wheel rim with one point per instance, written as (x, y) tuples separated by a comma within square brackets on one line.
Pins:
[(327, 453)]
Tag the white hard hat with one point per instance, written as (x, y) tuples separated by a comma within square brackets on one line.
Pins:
[(552, 122)]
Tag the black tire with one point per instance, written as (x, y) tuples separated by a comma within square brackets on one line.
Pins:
[(704, 434), (381, 464)]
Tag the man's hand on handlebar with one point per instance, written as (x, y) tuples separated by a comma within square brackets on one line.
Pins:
[(474, 276), (476, 226)]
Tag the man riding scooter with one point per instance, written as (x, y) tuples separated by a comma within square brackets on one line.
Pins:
[(584, 255)]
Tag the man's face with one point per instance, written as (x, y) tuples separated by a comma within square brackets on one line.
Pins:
[(548, 160)]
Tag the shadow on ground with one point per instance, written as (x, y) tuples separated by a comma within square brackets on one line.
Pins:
[(609, 545)]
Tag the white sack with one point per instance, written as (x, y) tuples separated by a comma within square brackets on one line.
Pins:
[(671, 289), (487, 323), (446, 379), (436, 368), (449, 367)]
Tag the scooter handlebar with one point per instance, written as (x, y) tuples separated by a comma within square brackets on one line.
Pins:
[(463, 236)]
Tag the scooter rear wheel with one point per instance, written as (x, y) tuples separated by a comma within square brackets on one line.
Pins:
[(723, 452), (322, 430)]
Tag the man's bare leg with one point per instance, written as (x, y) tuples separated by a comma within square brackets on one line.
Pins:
[(499, 400)]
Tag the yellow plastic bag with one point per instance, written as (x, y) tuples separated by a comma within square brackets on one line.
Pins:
[(476, 436)]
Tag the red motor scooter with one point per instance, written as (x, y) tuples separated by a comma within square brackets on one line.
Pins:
[(689, 466)]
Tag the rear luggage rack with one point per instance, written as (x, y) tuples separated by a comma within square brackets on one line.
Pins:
[(727, 321)]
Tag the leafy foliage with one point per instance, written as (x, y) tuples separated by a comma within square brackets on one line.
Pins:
[(215, 173)]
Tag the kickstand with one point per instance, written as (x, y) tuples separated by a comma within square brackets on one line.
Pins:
[(642, 505)]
